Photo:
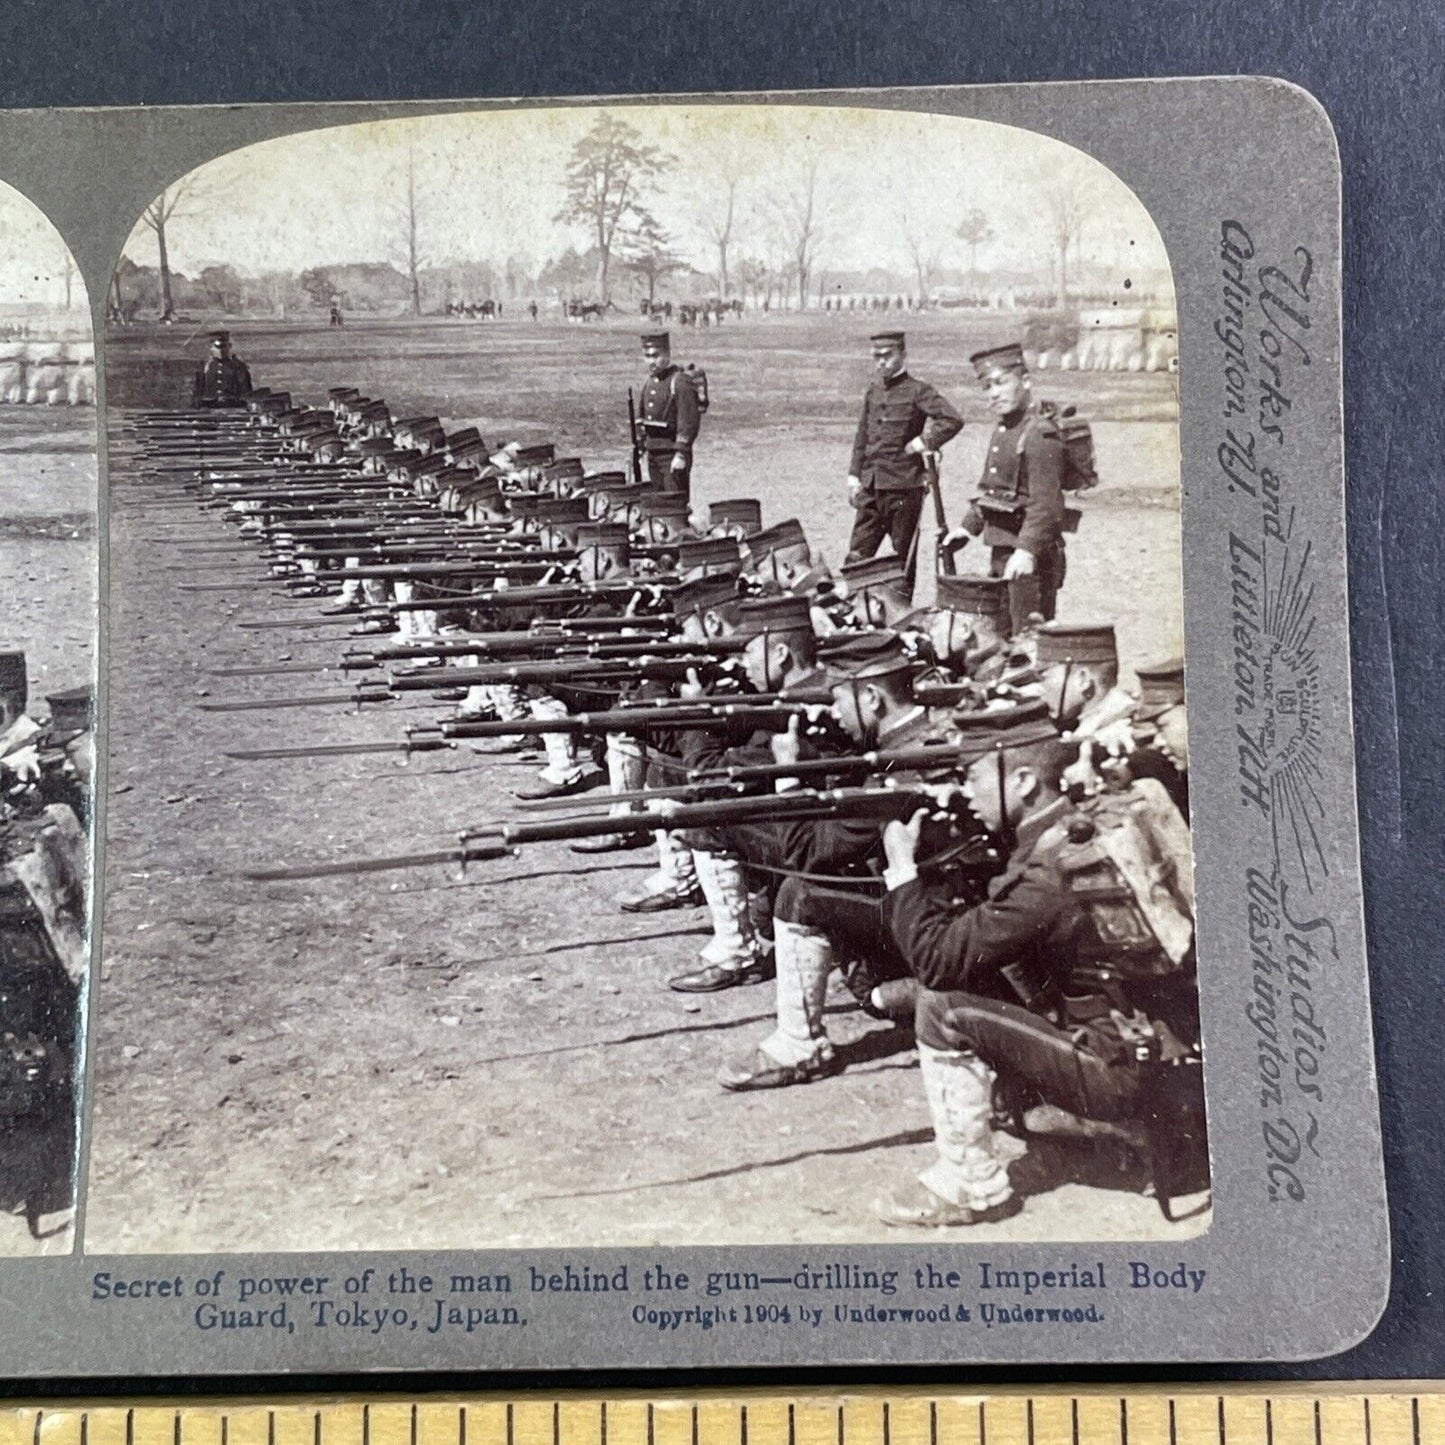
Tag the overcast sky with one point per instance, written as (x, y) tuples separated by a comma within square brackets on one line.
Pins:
[(32, 257), (489, 185)]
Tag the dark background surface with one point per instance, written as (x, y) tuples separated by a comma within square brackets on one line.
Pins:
[(1377, 70)]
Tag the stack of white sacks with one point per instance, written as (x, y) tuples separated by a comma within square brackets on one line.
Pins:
[(53, 373)]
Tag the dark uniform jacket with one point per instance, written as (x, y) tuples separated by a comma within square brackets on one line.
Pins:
[(845, 845), (669, 415), (1020, 501), (1030, 919), (894, 412), (222, 381)]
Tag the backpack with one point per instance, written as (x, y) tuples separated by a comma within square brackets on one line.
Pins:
[(1120, 875), (698, 377), (1080, 473)]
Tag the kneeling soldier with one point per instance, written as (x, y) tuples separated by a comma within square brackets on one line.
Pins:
[(1030, 986)]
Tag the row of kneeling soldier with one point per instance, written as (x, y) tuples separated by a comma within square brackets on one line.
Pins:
[(957, 808)]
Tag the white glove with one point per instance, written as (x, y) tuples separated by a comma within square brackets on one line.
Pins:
[(1019, 564)]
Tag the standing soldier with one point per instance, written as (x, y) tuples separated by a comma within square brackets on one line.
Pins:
[(1019, 508), (669, 417), (224, 379), (903, 419)]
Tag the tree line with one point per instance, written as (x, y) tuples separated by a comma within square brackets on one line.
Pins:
[(613, 181)]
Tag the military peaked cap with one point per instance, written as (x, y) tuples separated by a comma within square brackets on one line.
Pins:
[(784, 613), (998, 358), (70, 710), (707, 593), (341, 393), (888, 338), (708, 552), (657, 338), (1161, 685), (863, 656), (1005, 726), (1081, 642), (744, 512), (779, 535), (374, 446), (875, 572), (535, 456), (979, 596), (602, 534), (553, 510), (603, 481), (14, 680), (479, 491), (663, 504), (220, 335)]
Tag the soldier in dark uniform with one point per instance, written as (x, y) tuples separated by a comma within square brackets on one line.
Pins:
[(224, 379), (1019, 509), (903, 418), (1026, 985), (668, 417)]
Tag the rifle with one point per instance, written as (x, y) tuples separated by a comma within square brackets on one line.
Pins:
[(750, 777), (760, 710), (633, 435), (499, 840), (490, 646), (947, 551)]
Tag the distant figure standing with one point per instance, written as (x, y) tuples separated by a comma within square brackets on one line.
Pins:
[(532, 307), (336, 318), (903, 418), (224, 379), (669, 417)]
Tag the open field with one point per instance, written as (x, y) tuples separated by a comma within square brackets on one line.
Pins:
[(425, 1060), (47, 542), (48, 603)]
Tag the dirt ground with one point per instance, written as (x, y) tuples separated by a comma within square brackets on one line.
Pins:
[(422, 1059), (48, 592)]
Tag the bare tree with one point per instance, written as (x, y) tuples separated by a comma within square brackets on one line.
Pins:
[(974, 231), (717, 213), (799, 217), (611, 171), (409, 243), (68, 263), (1066, 210), (158, 215), (923, 251)]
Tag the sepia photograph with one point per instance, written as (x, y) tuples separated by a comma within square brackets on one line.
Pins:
[(646, 688), (48, 603)]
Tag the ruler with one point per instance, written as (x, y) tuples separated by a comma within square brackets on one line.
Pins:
[(1382, 1413)]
